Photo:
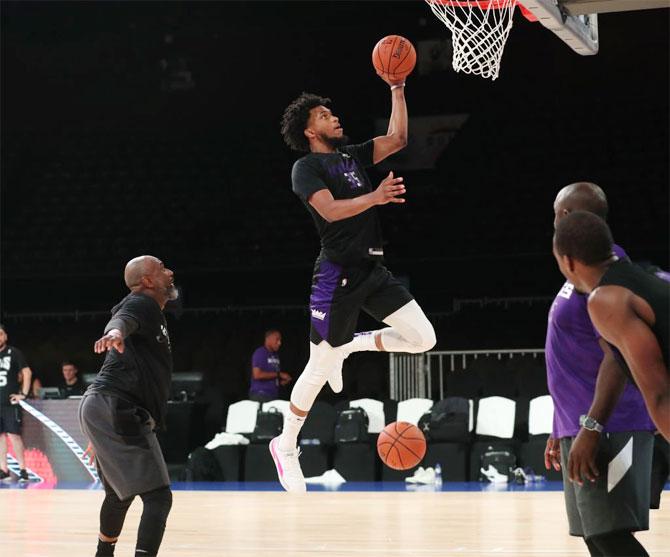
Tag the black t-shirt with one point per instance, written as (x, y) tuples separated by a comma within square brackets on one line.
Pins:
[(348, 241), (11, 363), (143, 373), (649, 287), (75, 389)]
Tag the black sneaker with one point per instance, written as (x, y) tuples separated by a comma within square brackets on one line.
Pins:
[(23, 475), (4, 476)]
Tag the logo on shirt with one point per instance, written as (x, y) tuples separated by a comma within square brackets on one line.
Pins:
[(164, 336), (349, 169), (6, 362), (353, 179), (567, 290), (273, 361), (320, 315)]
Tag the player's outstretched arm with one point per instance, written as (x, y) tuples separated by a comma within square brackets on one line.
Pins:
[(111, 339), (611, 311), (332, 209), (396, 135)]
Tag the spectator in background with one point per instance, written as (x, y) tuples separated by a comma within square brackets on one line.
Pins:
[(13, 370), (36, 387), (266, 376), (72, 384)]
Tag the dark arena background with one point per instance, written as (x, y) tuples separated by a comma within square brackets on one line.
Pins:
[(134, 128)]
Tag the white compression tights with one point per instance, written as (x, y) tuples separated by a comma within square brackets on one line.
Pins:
[(409, 331)]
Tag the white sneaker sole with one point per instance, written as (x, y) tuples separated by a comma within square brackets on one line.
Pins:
[(280, 469), (275, 459)]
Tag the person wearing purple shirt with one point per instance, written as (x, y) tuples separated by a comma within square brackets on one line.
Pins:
[(266, 374), (614, 458)]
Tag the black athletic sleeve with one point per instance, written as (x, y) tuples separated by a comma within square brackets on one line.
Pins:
[(362, 152), (19, 358), (306, 179), (138, 310)]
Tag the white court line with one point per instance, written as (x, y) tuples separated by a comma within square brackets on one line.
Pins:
[(63, 435)]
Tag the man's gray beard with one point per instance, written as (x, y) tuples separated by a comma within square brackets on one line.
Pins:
[(173, 293)]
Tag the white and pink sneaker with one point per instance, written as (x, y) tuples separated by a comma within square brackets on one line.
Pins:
[(288, 468)]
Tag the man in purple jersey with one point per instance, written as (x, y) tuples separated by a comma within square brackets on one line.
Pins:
[(603, 447), (266, 374)]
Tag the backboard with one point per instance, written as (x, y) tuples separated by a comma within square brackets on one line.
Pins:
[(576, 21)]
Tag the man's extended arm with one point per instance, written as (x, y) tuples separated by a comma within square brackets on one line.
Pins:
[(396, 135), (611, 312), (332, 209), (259, 374), (118, 328)]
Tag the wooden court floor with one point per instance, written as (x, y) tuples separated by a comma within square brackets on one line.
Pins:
[(54, 523)]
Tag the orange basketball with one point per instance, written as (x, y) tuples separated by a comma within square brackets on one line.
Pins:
[(401, 445), (394, 57)]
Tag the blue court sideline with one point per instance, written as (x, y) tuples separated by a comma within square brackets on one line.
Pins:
[(348, 486)]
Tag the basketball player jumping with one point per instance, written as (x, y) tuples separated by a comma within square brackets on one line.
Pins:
[(348, 275), (127, 401)]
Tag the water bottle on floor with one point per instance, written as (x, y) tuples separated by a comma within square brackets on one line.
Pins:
[(438, 475)]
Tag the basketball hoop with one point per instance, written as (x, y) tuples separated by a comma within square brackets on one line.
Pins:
[(479, 31)]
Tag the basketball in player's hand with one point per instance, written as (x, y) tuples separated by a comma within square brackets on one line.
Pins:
[(401, 445), (394, 58)]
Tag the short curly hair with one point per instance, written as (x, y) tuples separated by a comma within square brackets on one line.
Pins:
[(584, 236), (294, 120)]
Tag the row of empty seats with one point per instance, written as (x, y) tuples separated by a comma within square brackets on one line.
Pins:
[(493, 423)]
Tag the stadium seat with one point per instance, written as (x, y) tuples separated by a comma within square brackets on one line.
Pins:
[(279, 405), (494, 430), (412, 409), (495, 417), (320, 423), (374, 410), (258, 464), (540, 415), (390, 411), (316, 439), (356, 462), (241, 417), (230, 458), (540, 423)]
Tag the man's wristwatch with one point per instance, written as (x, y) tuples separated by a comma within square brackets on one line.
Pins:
[(589, 423)]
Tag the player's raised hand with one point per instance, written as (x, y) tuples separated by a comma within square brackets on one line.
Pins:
[(113, 339), (389, 190)]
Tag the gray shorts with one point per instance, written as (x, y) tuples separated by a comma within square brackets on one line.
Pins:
[(128, 456), (598, 508)]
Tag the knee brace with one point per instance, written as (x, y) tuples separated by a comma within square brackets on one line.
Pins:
[(157, 505), (410, 330), (323, 358), (113, 513)]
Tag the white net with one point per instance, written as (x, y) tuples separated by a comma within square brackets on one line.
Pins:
[(479, 31)]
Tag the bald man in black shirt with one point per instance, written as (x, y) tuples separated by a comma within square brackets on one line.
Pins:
[(127, 402)]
